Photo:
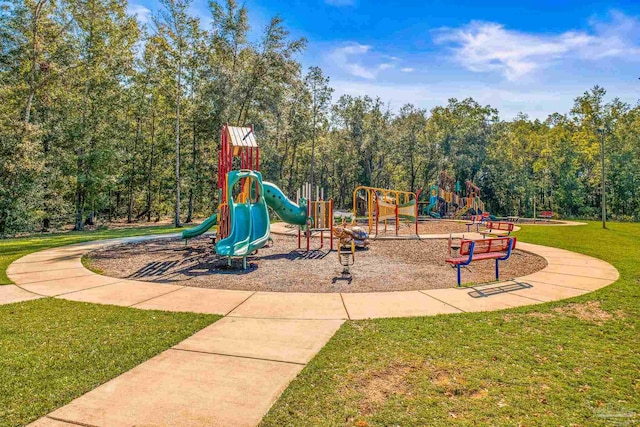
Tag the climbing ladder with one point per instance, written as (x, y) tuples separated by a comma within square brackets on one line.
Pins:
[(461, 212)]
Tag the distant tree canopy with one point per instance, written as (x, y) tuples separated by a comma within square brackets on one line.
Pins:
[(102, 118)]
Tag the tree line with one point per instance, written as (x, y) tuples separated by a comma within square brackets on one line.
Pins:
[(102, 118)]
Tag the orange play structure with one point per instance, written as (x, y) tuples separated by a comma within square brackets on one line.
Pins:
[(381, 205)]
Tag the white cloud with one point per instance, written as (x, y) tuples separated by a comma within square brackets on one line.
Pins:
[(340, 3), (360, 61), (489, 46), (343, 57), (538, 102), (407, 70), (143, 15)]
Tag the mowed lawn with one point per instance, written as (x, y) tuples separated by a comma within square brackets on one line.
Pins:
[(52, 351), (569, 363)]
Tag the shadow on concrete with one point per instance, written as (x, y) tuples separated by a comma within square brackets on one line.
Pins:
[(490, 290)]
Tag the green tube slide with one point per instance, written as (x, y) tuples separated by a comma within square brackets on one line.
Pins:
[(286, 209), (249, 221), (190, 233)]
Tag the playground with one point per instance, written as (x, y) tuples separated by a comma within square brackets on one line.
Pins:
[(276, 276), (382, 245), (387, 265)]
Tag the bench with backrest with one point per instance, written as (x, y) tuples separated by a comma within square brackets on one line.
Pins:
[(475, 220), (497, 228), (498, 248), (546, 215)]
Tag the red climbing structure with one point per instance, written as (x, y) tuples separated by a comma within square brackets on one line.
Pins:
[(237, 143)]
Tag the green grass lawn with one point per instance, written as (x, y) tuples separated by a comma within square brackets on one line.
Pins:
[(52, 351), (568, 363)]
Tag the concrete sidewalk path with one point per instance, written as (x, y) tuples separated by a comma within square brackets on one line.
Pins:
[(228, 374)]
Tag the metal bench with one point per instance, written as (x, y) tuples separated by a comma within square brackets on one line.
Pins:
[(475, 220), (545, 215), (495, 228), (498, 248)]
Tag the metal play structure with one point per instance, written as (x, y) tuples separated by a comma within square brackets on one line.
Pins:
[(472, 202), (319, 214), (242, 215), (383, 205), (447, 200), (235, 142)]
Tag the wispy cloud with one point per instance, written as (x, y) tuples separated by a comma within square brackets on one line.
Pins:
[(360, 60), (407, 70), (143, 14), (348, 57), (489, 46), (537, 101), (340, 3)]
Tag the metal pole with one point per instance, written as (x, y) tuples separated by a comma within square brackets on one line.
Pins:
[(604, 193)]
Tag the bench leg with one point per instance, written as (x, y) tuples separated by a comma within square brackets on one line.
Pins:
[(497, 270), (458, 266)]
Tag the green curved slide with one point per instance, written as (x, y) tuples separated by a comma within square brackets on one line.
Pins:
[(250, 221), (287, 210), (190, 233)]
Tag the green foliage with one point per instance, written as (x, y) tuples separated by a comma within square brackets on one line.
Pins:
[(102, 118)]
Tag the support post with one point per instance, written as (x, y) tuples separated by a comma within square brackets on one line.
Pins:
[(376, 216), (417, 234), (397, 217), (331, 222), (308, 225), (497, 269)]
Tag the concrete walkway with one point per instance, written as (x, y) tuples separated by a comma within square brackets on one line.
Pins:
[(230, 373)]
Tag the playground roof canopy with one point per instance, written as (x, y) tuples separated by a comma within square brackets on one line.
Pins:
[(242, 136)]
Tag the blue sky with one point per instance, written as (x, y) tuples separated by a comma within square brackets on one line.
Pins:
[(528, 56)]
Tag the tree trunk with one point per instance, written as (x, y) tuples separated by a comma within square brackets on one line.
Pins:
[(133, 172), (81, 187), (79, 224), (176, 220), (313, 154), (150, 174), (194, 180), (34, 60)]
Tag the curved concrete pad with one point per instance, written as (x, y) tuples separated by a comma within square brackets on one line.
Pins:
[(58, 272)]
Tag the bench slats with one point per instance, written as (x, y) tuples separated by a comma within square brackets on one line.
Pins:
[(502, 226), (498, 248)]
